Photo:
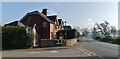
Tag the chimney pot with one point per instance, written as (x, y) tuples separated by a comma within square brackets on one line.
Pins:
[(45, 12)]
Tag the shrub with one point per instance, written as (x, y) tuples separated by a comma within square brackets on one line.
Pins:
[(117, 41), (15, 37), (71, 33), (107, 39), (98, 38)]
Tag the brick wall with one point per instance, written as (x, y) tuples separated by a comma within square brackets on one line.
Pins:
[(51, 31), (38, 20), (70, 42)]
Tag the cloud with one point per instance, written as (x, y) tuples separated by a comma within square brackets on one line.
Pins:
[(52, 12), (90, 23), (90, 19)]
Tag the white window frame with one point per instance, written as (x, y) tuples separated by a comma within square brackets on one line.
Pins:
[(44, 24)]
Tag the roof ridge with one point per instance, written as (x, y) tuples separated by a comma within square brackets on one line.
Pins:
[(52, 16), (39, 14), (45, 16)]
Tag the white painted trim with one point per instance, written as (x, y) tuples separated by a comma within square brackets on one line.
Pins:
[(23, 17)]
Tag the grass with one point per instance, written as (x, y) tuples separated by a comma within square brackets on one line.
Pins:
[(110, 40)]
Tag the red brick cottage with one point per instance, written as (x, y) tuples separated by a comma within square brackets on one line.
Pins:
[(46, 26)]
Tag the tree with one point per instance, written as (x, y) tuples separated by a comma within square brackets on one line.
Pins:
[(104, 28), (84, 32), (113, 30), (119, 33), (94, 32)]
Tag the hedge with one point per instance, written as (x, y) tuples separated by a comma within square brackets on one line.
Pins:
[(15, 37), (109, 39), (71, 33)]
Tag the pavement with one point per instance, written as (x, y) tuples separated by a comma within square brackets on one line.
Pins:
[(85, 48)]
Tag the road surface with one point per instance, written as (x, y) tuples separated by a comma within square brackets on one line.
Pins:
[(85, 48)]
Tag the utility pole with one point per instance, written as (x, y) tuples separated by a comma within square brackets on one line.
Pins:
[(65, 34)]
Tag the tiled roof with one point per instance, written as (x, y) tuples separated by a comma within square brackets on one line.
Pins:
[(15, 23), (60, 21), (41, 14), (52, 18), (68, 26), (19, 23)]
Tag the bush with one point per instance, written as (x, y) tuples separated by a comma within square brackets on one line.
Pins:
[(15, 37), (98, 38), (117, 41), (107, 39), (71, 33)]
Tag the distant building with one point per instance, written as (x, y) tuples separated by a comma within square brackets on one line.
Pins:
[(67, 27)]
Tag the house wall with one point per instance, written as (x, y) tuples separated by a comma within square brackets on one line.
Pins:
[(38, 20), (51, 31), (45, 32), (35, 35)]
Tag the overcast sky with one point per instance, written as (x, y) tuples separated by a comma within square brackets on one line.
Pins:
[(81, 14)]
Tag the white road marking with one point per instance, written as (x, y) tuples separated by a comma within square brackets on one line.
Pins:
[(94, 54), (85, 52), (88, 52), (54, 52), (36, 52), (43, 52)]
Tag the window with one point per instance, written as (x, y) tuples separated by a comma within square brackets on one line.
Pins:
[(44, 24)]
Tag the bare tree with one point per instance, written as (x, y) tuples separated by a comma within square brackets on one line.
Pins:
[(94, 32), (113, 30), (85, 32), (104, 28)]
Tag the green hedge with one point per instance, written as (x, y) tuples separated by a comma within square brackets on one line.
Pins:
[(71, 33), (15, 37), (109, 39)]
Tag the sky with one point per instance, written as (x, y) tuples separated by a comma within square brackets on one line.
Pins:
[(60, 0), (77, 14)]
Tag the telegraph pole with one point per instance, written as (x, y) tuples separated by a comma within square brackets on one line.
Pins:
[(65, 34)]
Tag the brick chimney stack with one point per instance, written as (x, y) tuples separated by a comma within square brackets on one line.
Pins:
[(45, 12)]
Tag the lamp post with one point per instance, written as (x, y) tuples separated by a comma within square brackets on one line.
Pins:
[(65, 34)]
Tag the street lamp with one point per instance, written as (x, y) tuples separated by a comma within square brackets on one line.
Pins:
[(65, 34)]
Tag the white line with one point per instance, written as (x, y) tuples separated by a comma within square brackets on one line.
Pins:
[(85, 52), (88, 52), (54, 52), (36, 52), (94, 54)]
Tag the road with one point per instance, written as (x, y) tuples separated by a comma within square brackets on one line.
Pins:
[(100, 48), (85, 48)]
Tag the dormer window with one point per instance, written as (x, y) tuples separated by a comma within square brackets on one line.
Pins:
[(44, 24)]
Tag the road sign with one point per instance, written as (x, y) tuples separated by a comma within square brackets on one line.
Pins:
[(59, 42)]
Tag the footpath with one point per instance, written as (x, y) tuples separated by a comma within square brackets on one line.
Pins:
[(40, 49)]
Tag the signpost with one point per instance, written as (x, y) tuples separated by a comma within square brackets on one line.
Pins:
[(65, 35), (59, 42)]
